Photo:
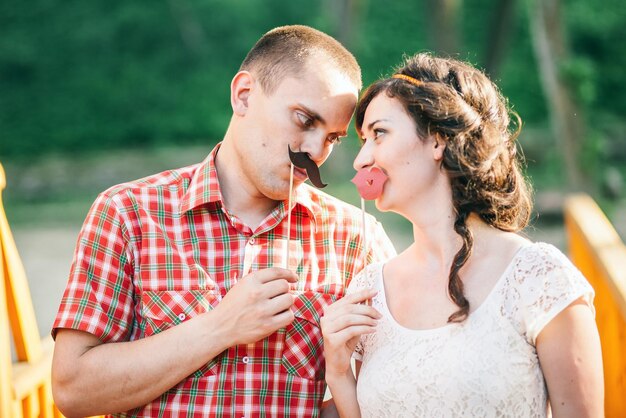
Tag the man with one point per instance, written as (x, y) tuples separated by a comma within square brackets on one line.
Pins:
[(180, 300)]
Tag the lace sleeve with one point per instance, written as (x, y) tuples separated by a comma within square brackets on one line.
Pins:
[(548, 283)]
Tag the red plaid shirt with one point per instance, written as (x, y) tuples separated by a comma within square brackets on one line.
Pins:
[(156, 252)]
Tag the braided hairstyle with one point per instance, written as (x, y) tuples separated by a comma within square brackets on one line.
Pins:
[(463, 109)]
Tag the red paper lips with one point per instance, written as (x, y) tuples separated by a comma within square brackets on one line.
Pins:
[(370, 182)]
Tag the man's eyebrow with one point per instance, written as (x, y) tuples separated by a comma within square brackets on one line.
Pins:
[(316, 116), (313, 114)]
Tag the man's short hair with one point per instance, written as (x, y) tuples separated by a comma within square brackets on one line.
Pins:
[(285, 51)]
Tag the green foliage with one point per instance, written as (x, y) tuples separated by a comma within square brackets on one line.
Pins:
[(78, 76), (84, 75), (597, 34)]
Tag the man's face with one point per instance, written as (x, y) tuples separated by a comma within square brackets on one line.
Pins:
[(309, 113)]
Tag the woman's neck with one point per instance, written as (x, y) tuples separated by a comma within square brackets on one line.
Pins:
[(435, 239)]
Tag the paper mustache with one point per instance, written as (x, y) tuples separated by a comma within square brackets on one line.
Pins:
[(302, 160), (370, 182)]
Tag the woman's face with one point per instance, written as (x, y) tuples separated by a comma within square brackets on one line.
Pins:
[(393, 145)]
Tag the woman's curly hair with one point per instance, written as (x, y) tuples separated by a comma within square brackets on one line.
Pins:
[(462, 108)]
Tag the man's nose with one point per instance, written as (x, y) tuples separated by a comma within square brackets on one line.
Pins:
[(316, 148)]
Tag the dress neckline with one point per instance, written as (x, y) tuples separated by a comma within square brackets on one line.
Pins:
[(471, 315)]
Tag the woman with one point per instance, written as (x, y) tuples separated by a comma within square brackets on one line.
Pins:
[(472, 319)]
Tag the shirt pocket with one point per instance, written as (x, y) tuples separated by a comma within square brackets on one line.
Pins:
[(303, 349), (165, 309)]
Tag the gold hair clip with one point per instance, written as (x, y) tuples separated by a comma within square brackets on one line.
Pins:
[(408, 78)]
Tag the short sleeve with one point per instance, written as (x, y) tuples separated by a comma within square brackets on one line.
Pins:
[(547, 282), (98, 298)]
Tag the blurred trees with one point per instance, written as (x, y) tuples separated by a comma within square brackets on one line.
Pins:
[(443, 26), (503, 25), (76, 76), (568, 125)]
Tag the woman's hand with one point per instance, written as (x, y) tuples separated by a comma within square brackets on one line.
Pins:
[(342, 324)]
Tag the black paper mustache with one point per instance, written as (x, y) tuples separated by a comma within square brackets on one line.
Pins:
[(302, 160)]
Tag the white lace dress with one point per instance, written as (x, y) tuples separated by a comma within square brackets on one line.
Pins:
[(486, 366)]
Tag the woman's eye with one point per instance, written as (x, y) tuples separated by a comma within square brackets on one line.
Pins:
[(378, 132), (306, 121)]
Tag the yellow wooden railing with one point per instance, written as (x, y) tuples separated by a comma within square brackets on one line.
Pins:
[(599, 253), (24, 385)]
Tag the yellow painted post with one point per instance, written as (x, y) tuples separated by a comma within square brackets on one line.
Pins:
[(17, 408), (20, 308), (45, 401), (25, 384), (6, 397), (597, 250), (30, 409)]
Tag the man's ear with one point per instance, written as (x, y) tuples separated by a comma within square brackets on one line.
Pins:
[(240, 89), (438, 147)]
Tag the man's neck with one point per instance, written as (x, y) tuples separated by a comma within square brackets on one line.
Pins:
[(239, 196)]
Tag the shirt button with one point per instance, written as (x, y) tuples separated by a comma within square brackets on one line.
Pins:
[(246, 360), (251, 240), (182, 316)]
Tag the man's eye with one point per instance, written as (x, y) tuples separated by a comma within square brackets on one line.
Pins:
[(334, 139), (306, 121)]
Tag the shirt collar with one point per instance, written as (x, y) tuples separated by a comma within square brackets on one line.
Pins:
[(305, 197), (205, 188)]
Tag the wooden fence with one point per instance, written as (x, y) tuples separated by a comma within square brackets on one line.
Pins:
[(597, 250), (24, 385)]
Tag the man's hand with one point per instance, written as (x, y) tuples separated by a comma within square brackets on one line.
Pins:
[(258, 305), (92, 378)]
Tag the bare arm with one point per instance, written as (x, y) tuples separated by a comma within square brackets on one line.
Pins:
[(90, 378), (329, 410), (571, 360), (342, 325)]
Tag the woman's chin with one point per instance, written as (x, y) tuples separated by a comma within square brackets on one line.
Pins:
[(381, 204)]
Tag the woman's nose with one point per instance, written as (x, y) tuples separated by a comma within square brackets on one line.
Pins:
[(364, 158)]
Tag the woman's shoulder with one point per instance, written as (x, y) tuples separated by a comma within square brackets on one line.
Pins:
[(543, 282), (540, 267), (369, 277), (541, 259)]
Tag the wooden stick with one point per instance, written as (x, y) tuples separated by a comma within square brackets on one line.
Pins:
[(289, 217), (364, 234)]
